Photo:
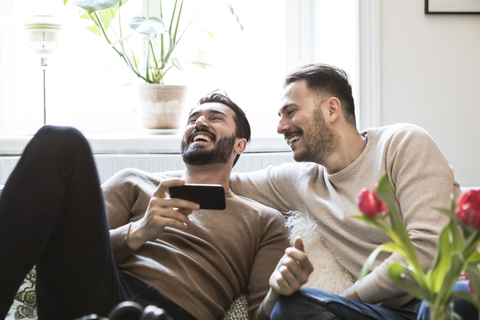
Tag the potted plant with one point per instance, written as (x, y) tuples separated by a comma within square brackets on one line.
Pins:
[(148, 49)]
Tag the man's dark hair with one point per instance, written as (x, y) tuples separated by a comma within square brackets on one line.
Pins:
[(241, 122), (325, 79)]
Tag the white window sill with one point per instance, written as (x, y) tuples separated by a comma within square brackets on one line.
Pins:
[(138, 143)]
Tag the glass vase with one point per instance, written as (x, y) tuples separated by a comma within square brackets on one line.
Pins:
[(442, 312)]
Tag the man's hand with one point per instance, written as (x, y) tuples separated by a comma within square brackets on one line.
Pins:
[(292, 270), (161, 212)]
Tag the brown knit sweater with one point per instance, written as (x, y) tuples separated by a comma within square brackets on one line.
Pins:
[(205, 267)]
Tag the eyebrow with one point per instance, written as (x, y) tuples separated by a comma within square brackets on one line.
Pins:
[(214, 111), (282, 109)]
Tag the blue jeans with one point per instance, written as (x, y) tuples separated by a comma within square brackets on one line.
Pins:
[(310, 304)]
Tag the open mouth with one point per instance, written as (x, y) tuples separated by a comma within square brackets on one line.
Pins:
[(201, 137), (292, 139)]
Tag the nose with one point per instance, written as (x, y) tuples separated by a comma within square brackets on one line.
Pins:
[(201, 122), (283, 125)]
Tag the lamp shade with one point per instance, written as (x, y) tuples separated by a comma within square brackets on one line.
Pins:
[(43, 34)]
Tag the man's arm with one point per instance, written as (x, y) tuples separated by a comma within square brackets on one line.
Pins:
[(161, 212), (421, 178), (273, 186), (135, 216)]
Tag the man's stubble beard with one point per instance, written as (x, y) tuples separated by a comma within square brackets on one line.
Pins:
[(320, 143), (198, 156)]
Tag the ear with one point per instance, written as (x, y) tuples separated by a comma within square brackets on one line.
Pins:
[(240, 145), (334, 110)]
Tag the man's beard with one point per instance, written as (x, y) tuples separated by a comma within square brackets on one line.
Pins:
[(320, 141), (198, 156)]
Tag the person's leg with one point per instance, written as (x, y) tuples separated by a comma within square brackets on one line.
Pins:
[(52, 214), (461, 306), (310, 304)]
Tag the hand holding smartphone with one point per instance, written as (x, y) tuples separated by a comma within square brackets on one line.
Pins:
[(208, 196)]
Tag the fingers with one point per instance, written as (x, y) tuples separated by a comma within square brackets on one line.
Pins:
[(160, 197), (298, 244), (172, 218), (297, 252), (162, 189), (292, 270), (181, 204), (157, 211)]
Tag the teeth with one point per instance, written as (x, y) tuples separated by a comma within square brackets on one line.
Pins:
[(202, 137), (292, 140)]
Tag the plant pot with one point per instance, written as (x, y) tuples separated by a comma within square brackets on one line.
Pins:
[(161, 106)]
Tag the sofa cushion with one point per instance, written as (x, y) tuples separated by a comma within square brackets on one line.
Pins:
[(25, 303)]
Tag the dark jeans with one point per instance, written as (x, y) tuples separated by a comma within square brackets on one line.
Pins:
[(52, 215), (312, 304)]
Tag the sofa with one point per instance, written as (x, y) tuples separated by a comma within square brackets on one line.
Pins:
[(25, 302)]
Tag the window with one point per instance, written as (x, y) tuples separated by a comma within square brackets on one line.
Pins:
[(84, 78)]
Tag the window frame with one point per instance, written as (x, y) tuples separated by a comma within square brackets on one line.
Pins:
[(299, 21)]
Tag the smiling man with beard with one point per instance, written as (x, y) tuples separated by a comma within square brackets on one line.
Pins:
[(153, 249), (317, 119)]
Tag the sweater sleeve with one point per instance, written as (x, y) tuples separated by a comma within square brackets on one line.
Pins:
[(421, 178), (273, 187), (271, 249), (125, 201)]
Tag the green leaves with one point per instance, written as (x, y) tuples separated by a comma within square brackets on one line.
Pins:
[(449, 242), (152, 26), (396, 274), (232, 11), (456, 251), (157, 58), (398, 233), (177, 64), (96, 5), (474, 276), (101, 21)]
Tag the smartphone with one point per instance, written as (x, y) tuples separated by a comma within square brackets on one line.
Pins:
[(208, 196)]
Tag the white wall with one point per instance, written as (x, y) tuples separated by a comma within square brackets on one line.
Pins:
[(431, 77)]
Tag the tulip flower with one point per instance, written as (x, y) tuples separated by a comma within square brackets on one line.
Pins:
[(468, 208), (456, 251), (369, 204)]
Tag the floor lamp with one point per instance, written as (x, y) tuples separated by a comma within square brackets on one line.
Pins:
[(43, 38)]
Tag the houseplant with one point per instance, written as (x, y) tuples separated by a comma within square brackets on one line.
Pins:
[(456, 250), (147, 47)]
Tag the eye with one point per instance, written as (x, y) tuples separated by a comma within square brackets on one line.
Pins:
[(216, 118)]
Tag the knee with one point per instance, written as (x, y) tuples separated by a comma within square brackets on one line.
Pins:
[(55, 132), (285, 306), (60, 136), (463, 307), (306, 303)]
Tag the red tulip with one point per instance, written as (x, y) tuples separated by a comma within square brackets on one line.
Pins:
[(369, 204), (468, 208)]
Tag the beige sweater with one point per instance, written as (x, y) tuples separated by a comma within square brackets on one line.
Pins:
[(420, 176), (205, 267)]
